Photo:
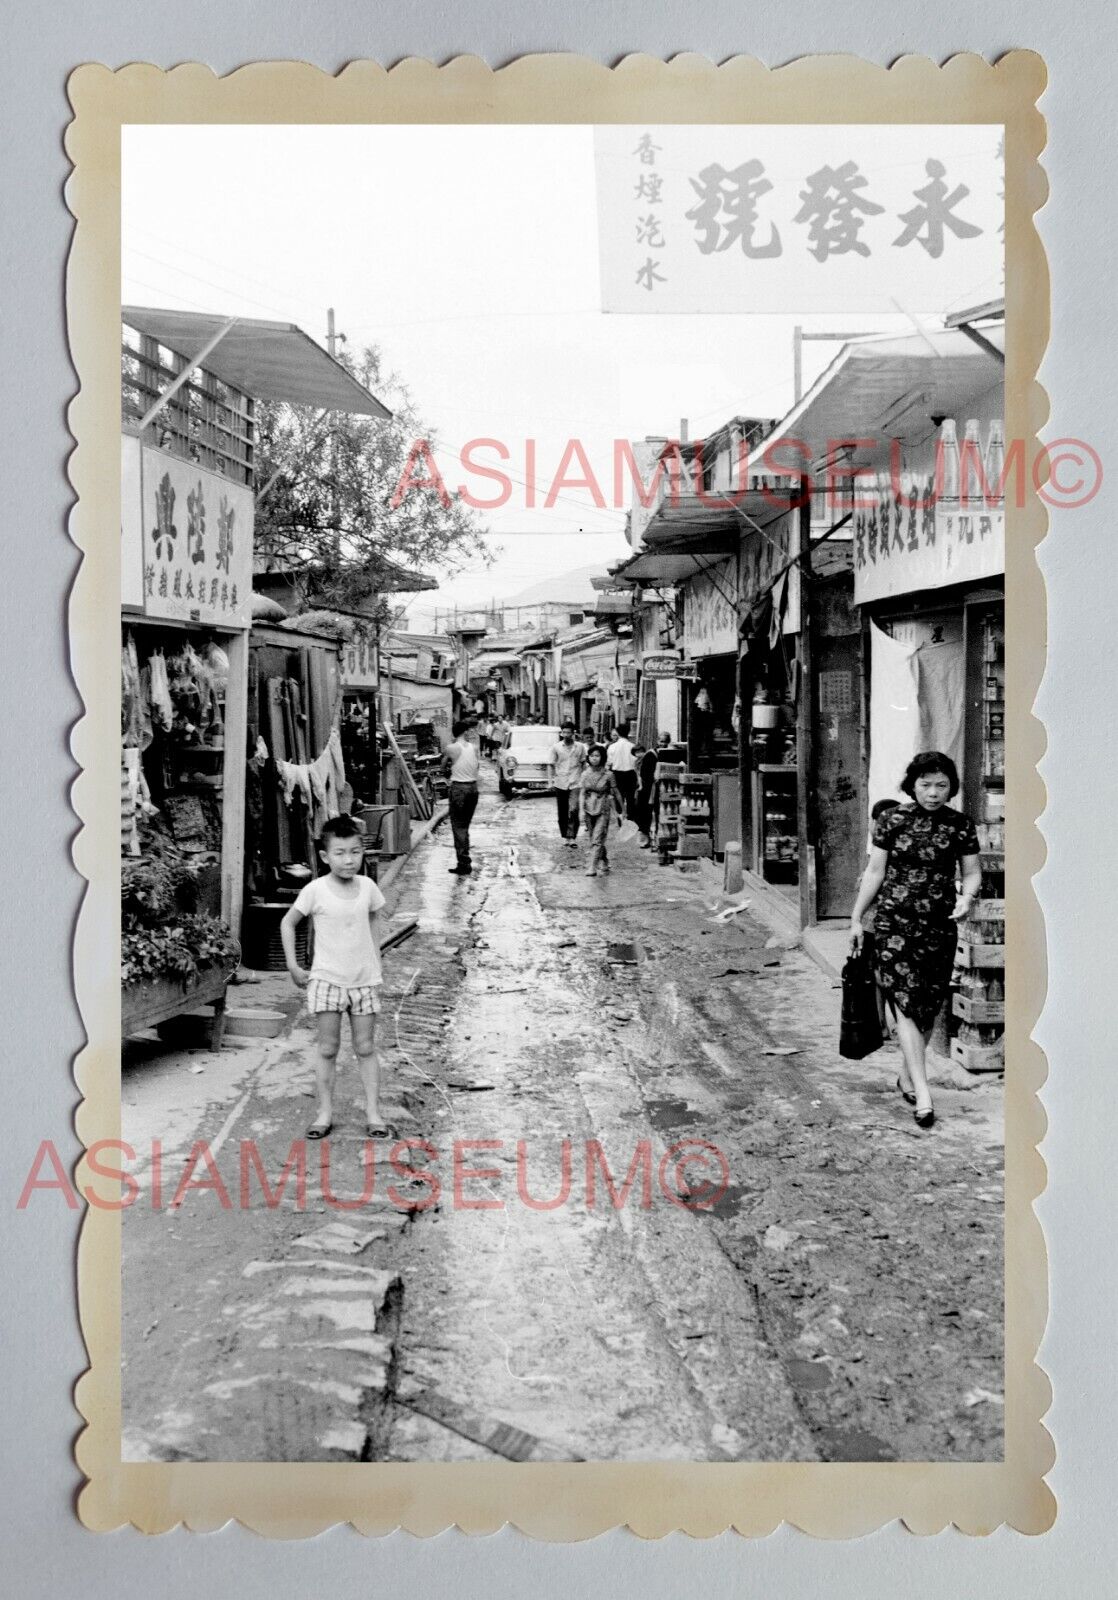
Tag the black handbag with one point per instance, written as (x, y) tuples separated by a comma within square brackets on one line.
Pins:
[(861, 1031)]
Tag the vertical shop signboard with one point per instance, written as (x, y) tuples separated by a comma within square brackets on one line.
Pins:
[(196, 534), (131, 525)]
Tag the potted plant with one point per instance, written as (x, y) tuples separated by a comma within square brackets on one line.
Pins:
[(174, 956)]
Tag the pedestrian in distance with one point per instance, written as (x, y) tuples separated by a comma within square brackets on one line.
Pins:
[(344, 907), (646, 778), (462, 763), (910, 882), (598, 794), (621, 759), (566, 760), (588, 737)]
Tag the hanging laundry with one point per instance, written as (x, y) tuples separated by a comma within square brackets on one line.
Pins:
[(161, 703), (334, 748)]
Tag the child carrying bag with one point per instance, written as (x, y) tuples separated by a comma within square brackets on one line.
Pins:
[(860, 1032)]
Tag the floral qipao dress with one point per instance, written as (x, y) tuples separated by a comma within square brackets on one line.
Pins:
[(915, 935)]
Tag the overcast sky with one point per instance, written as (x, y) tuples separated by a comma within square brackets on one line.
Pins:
[(470, 256)]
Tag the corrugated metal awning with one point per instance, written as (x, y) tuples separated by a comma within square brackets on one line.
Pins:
[(882, 389), (267, 360), (668, 567)]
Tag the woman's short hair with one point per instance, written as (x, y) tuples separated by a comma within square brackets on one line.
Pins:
[(598, 750), (925, 762)]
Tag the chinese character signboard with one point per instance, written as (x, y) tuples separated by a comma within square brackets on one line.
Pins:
[(905, 541), (196, 542), (131, 526), (798, 219), (710, 618)]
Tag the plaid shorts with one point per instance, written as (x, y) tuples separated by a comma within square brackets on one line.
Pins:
[(323, 996)]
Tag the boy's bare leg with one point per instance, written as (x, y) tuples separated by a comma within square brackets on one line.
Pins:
[(364, 1048), (328, 1028)]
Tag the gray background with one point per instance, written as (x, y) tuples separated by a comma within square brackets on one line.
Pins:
[(45, 1550)]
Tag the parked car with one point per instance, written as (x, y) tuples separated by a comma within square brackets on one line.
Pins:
[(524, 757)]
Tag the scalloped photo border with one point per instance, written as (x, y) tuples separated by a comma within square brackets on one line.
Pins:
[(561, 1501)]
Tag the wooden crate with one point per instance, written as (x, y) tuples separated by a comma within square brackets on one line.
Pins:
[(981, 955), (988, 911), (979, 1057), (986, 1013), (692, 846)]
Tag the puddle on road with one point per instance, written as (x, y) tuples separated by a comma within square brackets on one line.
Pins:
[(852, 1444), (667, 1114)]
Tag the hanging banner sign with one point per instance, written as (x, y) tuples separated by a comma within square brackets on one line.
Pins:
[(710, 618), (359, 662), (782, 218), (908, 542), (197, 543)]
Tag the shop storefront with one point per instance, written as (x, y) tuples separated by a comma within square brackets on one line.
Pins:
[(187, 566), (769, 683), (929, 579), (189, 386)]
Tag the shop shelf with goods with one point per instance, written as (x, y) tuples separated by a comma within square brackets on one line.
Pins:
[(696, 835), (978, 999), (775, 828)]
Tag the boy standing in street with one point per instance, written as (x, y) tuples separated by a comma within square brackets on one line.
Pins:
[(461, 760), (344, 907), (566, 761)]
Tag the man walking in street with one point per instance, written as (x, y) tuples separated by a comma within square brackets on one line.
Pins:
[(565, 763), (462, 762), (621, 760)]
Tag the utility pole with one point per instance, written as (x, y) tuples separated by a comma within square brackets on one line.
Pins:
[(331, 336)]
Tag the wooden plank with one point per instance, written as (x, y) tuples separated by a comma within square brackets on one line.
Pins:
[(277, 746), (405, 775)]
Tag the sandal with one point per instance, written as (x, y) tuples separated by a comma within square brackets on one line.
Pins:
[(380, 1130), (320, 1130), (924, 1116)]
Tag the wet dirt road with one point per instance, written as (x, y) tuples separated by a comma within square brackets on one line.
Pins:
[(547, 1035)]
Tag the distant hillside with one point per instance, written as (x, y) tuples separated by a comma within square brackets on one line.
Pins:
[(573, 585)]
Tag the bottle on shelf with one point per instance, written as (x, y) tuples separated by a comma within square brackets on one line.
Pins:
[(947, 465), (995, 461), (970, 474)]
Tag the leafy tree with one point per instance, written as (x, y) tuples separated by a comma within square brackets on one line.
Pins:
[(330, 519)]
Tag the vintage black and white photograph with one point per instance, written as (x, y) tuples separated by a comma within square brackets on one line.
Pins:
[(563, 792)]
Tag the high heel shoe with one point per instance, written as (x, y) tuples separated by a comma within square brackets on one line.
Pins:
[(924, 1116), (906, 1096)]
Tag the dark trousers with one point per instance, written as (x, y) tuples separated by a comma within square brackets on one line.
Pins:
[(463, 804), (627, 784), (642, 811), (568, 813)]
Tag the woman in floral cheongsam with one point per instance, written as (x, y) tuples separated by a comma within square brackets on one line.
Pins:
[(910, 881)]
